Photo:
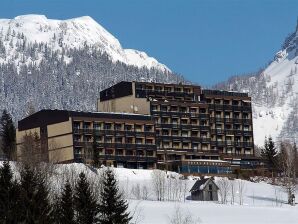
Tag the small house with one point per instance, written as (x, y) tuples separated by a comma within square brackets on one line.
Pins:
[(204, 190)]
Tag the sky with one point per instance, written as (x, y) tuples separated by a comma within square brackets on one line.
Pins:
[(205, 41)]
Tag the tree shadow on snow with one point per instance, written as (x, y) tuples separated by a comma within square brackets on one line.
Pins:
[(263, 198)]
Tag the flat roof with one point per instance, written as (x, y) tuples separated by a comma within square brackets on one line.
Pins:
[(47, 117)]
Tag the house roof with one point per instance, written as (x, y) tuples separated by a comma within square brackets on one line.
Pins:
[(200, 184)]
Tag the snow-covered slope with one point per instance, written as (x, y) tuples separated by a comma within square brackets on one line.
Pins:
[(274, 92), (279, 118), (72, 33)]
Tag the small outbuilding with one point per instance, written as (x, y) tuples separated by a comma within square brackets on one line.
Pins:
[(204, 190)]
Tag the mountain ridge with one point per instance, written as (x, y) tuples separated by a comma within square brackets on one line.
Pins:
[(75, 33)]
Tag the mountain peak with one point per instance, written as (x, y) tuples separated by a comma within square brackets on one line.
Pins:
[(74, 33), (31, 17)]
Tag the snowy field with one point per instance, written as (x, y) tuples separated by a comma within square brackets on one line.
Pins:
[(261, 202)]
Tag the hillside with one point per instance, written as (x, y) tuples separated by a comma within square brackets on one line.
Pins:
[(274, 92), (64, 64)]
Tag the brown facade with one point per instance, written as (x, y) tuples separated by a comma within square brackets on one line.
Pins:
[(191, 123), (147, 125), (122, 140)]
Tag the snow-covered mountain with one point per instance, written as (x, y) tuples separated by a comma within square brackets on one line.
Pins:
[(57, 64), (71, 33), (274, 92)]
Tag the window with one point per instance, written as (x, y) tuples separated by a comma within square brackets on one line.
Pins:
[(165, 120), (235, 102), (202, 111), (109, 139), (175, 132), (138, 128), (86, 125), (96, 126), (118, 139), (246, 128), (163, 108), (183, 121), (108, 126), (174, 120), (118, 127), (245, 116), (128, 128), (176, 145), (149, 141), (217, 101), (184, 133), (165, 132), (183, 109), (154, 108), (129, 140), (76, 125), (148, 128), (139, 141)]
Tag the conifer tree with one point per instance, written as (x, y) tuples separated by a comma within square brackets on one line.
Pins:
[(85, 203), (9, 196), (35, 205), (8, 135), (113, 208), (269, 153), (66, 207)]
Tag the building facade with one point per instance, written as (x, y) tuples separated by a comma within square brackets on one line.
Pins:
[(122, 140), (151, 125), (195, 128)]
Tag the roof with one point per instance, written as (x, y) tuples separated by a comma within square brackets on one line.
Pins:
[(200, 184), (47, 117)]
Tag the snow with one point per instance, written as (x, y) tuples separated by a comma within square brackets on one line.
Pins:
[(282, 71), (263, 203), (210, 213), (75, 33)]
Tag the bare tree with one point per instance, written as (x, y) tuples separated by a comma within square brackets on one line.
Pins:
[(159, 184), (241, 191), (181, 217), (145, 193), (136, 191), (233, 191), (224, 189), (287, 165)]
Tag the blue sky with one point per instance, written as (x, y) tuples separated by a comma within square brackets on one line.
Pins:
[(206, 41)]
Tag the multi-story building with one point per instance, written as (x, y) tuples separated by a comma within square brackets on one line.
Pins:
[(122, 140), (147, 125), (197, 130)]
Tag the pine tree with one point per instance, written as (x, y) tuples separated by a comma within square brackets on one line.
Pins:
[(35, 205), (269, 154), (8, 135), (9, 196), (113, 208), (66, 207), (85, 203)]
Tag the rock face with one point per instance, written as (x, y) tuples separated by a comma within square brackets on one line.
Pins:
[(275, 94)]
